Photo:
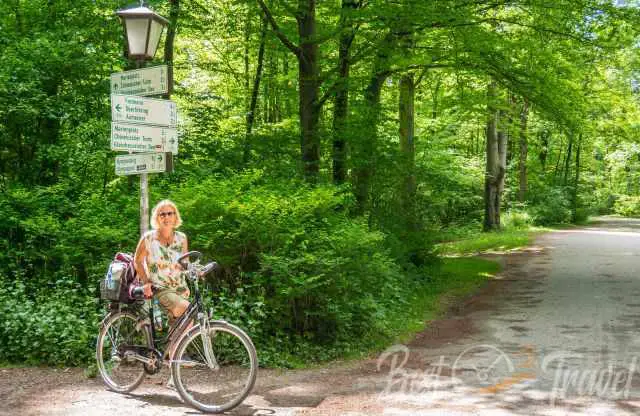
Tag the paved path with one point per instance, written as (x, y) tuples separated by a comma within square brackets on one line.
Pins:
[(556, 334)]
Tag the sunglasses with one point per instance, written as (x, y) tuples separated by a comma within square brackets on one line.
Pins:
[(166, 214)]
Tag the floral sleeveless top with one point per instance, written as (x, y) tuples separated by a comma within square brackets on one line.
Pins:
[(161, 263)]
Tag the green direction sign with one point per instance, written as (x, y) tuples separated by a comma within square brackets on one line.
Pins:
[(142, 110), (140, 138), (146, 81), (138, 163)]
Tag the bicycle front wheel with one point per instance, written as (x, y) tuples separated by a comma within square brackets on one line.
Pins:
[(214, 370), (121, 372)]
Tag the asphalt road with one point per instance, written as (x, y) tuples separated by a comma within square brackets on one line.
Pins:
[(555, 334)]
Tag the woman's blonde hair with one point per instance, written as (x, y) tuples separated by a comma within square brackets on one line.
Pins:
[(156, 212)]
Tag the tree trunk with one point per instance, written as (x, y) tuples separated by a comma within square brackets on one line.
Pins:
[(524, 150), (560, 149), (544, 149), (247, 38), (495, 166), (567, 161), (174, 13), (341, 107), (574, 202), (308, 78), (251, 114), (407, 145)]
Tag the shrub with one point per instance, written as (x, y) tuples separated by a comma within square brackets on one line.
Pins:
[(516, 219), (628, 206), (318, 273), (56, 328), (551, 206)]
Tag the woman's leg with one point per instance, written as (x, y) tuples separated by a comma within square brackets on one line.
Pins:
[(176, 306)]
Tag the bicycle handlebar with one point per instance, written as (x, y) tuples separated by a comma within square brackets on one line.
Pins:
[(138, 291), (186, 256)]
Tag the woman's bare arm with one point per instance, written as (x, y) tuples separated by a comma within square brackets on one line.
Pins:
[(139, 259)]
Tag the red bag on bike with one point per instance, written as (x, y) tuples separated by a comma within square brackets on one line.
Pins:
[(120, 276)]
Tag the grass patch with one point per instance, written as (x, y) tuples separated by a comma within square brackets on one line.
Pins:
[(449, 281), (491, 241), (444, 283)]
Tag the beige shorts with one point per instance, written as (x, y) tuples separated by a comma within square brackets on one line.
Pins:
[(169, 300)]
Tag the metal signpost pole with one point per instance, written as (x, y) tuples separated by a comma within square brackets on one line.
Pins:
[(144, 190)]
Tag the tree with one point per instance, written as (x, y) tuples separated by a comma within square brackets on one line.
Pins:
[(307, 55)]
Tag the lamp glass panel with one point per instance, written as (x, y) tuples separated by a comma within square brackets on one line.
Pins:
[(137, 35), (154, 38)]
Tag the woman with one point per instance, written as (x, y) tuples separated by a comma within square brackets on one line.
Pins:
[(156, 259)]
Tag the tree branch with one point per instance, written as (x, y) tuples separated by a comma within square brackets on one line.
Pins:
[(276, 29)]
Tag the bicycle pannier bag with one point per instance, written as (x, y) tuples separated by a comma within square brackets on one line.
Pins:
[(120, 275)]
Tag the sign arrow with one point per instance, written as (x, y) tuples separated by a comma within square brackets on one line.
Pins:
[(118, 107), (140, 138)]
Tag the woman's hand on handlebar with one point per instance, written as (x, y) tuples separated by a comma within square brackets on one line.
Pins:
[(148, 290)]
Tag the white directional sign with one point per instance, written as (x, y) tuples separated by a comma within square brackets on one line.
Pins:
[(137, 163), (147, 81), (141, 110), (141, 138)]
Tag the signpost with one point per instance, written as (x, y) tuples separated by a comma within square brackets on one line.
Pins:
[(142, 28), (141, 138), (138, 163), (141, 110), (147, 81)]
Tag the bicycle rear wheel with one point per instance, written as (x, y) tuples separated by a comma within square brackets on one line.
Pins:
[(215, 370), (121, 372)]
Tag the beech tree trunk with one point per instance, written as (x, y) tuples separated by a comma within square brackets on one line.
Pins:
[(174, 13), (524, 150), (496, 163), (308, 77), (567, 160), (341, 105), (544, 149), (407, 144), (251, 113), (574, 204)]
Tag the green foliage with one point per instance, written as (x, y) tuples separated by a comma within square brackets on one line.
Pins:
[(551, 206), (53, 237), (516, 219), (55, 327), (628, 206), (314, 272)]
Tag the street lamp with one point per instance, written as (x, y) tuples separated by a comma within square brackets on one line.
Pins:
[(143, 28)]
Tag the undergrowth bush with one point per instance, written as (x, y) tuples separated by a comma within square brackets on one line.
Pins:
[(627, 205), (55, 328), (306, 279), (550, 205), (516, 219), (317, 274)]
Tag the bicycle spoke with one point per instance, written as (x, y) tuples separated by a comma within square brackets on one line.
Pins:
[(119, 373), (216, 387)]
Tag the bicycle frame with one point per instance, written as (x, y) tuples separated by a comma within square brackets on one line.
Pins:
[(182, 324)]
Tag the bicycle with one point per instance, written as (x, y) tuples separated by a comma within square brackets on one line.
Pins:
[(215, 363)]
